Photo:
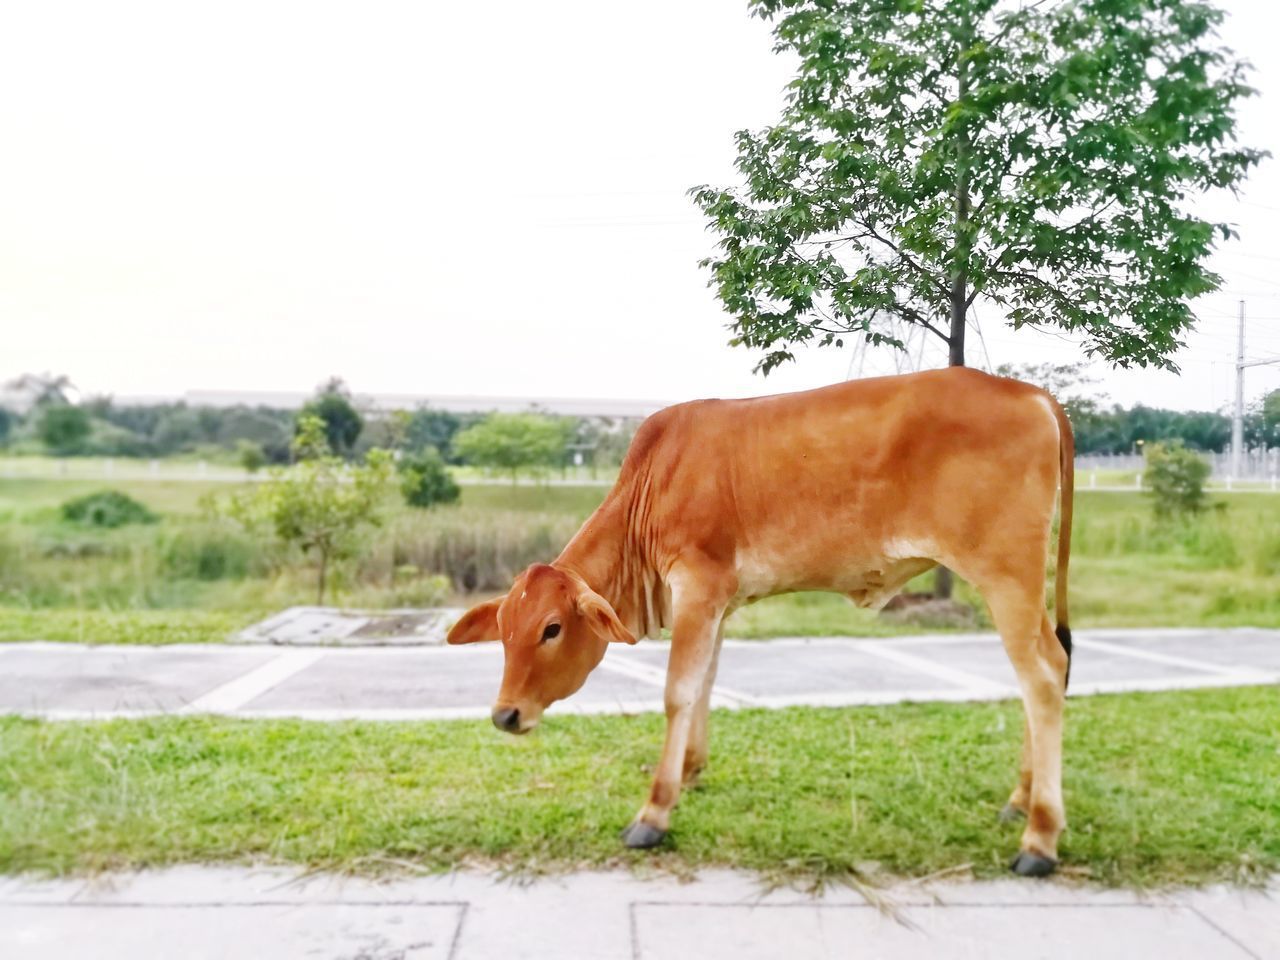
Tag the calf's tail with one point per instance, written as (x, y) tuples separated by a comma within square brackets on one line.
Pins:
[(1067, 478)]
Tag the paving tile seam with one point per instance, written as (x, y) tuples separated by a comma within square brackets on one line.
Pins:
[(1226, 934)]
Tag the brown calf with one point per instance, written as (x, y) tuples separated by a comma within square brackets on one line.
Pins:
[(854, 488)]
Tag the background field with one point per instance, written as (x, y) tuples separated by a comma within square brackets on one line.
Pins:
[(192, 576)]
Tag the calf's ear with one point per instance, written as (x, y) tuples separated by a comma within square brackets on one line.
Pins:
[(478, 623), (596, 610)]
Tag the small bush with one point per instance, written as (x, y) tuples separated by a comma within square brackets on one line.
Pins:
[(476, 549), (425, 481), (210, 552), (251, 455), (1175, 478), (108, 509)]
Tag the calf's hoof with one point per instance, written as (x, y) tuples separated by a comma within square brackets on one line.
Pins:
[(641, 836), (1027, 864), (1009, 813)]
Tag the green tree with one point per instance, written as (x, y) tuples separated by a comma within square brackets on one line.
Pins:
[(251, 455), (433, 428), (342, 422), (511, 442), (6, 425), (932, 154), (321, 504), (1070, 383), (63, 428), (425, 480), (1175, 478)]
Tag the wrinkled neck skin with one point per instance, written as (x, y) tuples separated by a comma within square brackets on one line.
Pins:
[(615, 555)]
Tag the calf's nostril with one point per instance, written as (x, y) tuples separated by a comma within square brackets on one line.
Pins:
[(506, 718)]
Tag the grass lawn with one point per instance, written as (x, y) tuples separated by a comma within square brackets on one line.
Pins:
[(184, 579), (1160, 788), (19, 625)]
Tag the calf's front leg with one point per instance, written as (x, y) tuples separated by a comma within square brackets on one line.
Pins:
[(698, 605)]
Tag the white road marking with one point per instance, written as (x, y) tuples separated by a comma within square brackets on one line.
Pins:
[(1168, 659), (232, 698), (236, 693), (658, 677), (980, 686)]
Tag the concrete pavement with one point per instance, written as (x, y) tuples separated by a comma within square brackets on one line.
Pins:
[(202, 913), (72, 681)]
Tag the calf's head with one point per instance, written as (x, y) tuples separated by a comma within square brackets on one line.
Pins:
[(554, 631)]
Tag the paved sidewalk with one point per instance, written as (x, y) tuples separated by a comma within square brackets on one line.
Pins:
[(201, 913), (70, 681)]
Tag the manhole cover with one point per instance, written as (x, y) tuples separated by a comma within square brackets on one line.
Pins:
[(329, 626)]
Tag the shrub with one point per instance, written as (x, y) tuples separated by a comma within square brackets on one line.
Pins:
[(320, 505), (476, 549), (64, 429), (210, 552), (251, 455), (1175, 478), (108, 509), (425, 480)]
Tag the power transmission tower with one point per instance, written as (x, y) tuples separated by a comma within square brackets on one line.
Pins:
[(909, 359), (1237, 420)]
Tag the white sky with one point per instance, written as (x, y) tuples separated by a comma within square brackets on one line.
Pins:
[(441, 198)]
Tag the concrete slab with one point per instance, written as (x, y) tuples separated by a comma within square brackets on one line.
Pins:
[(962, 933), (770, 670), (987, 659), (1242, 649), (333, 626), (74, 681), (109, 679), (393, 931), (223, 912), (1251, 918), (399, 680)]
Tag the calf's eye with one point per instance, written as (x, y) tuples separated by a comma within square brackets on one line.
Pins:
[(552, 631)]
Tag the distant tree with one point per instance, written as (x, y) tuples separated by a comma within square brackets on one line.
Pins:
[(6, 425), (1070, 383), (512, 442), (1271, 409), (320, 505), (178, 429), (63, 428), (433, 428), (1175, 478), (1037, 157), (425, 480), (1262, 428), (251, 456), (342, 422), (270, 430), (43, 389)]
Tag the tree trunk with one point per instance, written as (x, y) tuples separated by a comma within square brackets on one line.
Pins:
[(324, 564), (942, 583)]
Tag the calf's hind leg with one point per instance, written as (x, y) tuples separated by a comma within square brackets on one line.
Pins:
[(1041, 666)]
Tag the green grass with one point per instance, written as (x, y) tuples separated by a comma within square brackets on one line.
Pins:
[(37, 500), (1160, 788), (19, 624), (1220, 569)]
